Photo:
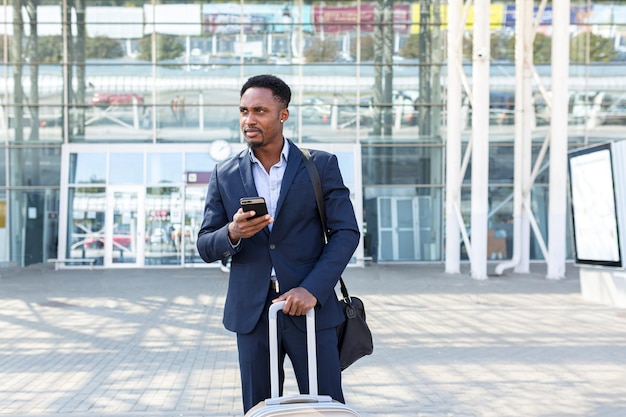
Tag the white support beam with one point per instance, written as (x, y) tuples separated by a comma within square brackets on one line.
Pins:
[(453, 139), (480, 138), (65, 29), (558, 147), (523, 154), (524, 115)]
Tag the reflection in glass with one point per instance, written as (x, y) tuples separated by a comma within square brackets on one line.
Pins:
[(4, 236), (126, 168), (402, 224), (164, 167), (339, 93), (194, 213), (3, 177), (86, 223), (87, 167), (124, 242), (346, 164), (198, 162), (386, 165), (500, 220), (32, 166), (165, 239)]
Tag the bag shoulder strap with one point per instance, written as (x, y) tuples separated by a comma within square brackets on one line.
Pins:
[(317, 187)]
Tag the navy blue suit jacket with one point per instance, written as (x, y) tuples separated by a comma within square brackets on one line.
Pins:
[(295, 247)]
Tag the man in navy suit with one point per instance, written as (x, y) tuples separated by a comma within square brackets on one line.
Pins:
[(281, 255)]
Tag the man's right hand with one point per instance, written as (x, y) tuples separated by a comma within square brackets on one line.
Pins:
[(244, 226)]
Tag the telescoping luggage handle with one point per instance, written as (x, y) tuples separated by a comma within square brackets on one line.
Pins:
[(311, 354)]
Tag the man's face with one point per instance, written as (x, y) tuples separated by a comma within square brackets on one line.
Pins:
[(260, 117)]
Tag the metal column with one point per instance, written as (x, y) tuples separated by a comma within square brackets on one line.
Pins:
[(558, 147), (480, 139), (524, 114), (453, 140)]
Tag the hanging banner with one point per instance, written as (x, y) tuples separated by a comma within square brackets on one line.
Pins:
[(337, 19), (496, 17), (3, 214)]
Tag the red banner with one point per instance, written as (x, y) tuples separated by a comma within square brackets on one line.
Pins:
[(345, 19)]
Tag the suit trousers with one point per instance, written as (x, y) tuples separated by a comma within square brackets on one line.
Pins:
[(254, 365)]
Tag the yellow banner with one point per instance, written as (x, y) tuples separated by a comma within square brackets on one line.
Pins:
[(496, 17), (3, 214)]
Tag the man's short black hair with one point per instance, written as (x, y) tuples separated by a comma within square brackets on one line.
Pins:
[(280, 90)]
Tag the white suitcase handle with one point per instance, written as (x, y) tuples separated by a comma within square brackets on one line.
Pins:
[(311, 352)]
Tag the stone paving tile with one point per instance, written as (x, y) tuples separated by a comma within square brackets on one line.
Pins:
[(150, 343)]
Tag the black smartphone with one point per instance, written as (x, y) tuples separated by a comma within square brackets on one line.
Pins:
[(254, 203)]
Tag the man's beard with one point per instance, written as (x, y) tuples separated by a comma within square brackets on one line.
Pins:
[(254, 145)]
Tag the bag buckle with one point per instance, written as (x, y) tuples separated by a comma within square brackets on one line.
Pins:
[(350, 312)]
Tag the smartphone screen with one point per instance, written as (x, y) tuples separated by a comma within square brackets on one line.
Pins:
[(254, 203)]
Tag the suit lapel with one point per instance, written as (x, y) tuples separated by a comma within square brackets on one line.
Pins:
[(293, 165), (247, 178)]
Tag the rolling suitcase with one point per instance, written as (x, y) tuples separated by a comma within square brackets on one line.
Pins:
[(301, 405)]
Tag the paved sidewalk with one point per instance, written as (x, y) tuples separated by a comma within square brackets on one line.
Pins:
[(151, 343)]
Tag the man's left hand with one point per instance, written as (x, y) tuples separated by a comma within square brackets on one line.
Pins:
[(297, 301)]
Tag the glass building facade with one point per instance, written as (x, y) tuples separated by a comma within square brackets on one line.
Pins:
[(113, 114)]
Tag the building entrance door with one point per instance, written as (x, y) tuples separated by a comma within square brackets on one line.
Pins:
[(399, 229), (124, 227)]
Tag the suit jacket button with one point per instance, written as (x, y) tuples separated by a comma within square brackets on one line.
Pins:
[(272, 246)]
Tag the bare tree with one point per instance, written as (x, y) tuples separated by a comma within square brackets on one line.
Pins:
[(33, 60), (425, 54), (18, 65), (81, 35), (430, 53), (383, 67)]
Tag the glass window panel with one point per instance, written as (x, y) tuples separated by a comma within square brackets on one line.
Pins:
[(165, 168), (35, 166), (502, 110), (126, 168), (116, 101), (502, 164), (124, 240), (391, 210), (50, 118), (3, 213), (314, 110), (430, 223), (120, 122), (406, 246), (113, 107), (87, 168), (208, 113), (346, 163), (166, 238), (194, 214), (385, 215), (85, 234), (500, 218), (114, 22), (199, 162), (34, 224), (386, 246), (402, 165), (500, 221), (613, 106), (3, 176), (4, 228), (405, 213)]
